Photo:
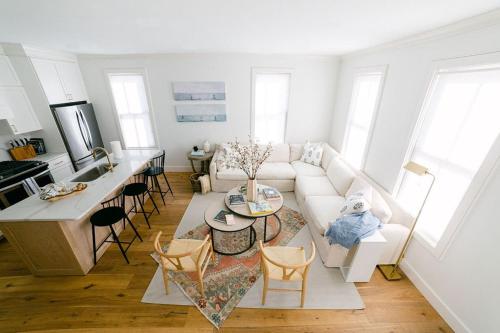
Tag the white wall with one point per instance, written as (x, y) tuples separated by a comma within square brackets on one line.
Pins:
[(463, 286), (311, 99)]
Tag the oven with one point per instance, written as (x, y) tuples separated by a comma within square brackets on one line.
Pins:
[(23, 186)]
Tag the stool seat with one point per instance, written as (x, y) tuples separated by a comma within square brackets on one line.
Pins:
[(135, 189), (153, 171), (107, 216)]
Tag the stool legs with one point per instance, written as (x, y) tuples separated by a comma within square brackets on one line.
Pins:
[(153, 201), (115, 237), (93, 244), (143, 211), (155, 186), (169, 188), (133, 227)]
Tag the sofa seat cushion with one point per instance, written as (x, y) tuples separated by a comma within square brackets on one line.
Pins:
[(313, 185), (323, 209), (268, 170), (306, 169)]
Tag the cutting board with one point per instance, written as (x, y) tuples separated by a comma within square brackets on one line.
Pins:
[(22, 153)]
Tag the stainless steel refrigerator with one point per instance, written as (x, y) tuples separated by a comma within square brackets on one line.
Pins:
[(80, 132)]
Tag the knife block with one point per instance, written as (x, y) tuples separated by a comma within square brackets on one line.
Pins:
[(22, 153)]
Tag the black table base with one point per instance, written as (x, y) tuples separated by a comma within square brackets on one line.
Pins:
[(252, 238), (265, 228)]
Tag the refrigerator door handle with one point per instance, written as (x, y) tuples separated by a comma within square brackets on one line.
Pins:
[(89, 133), (81, 131)]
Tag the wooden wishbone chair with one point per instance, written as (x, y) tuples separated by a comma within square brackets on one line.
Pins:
[(185, 255), (285, 263)]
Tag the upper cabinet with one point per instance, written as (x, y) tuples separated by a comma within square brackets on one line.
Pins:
[(8, 76), (20, 115), (61, 80)]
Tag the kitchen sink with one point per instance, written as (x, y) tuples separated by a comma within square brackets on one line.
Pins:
[(93, 174)]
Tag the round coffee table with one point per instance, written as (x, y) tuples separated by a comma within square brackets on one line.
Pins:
[(243, 210), (241, 223)]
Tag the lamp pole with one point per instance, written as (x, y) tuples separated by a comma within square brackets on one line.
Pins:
[(392, 274)]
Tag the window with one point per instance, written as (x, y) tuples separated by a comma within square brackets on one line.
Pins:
[(459, 125), (131, 105), (271, 92), (365, 97)]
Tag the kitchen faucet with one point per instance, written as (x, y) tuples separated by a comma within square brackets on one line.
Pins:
[(110, 165)]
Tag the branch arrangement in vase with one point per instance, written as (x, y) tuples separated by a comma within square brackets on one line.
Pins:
[(248, 158)]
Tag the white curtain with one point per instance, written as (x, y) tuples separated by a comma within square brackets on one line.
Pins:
[(129, 94), (462, 121), (271, 106)]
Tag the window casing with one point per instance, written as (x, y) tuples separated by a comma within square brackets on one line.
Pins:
[(271, 92), (459, 125), (130, 99), (365, 99)]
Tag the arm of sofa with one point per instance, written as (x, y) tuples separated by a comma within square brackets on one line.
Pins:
[(213, 166)]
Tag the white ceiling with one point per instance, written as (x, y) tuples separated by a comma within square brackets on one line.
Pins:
[(253, 26)]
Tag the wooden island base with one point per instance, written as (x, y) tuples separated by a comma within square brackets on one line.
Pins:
[(51, 248)]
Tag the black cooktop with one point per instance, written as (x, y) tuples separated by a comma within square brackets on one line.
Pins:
[(19, 169)]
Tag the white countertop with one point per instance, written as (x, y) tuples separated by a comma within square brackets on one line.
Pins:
[(47, 157), (77, 206)]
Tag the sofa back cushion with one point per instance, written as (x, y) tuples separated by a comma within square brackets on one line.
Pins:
[(280, 153), (379, 208), (340, 174), (328, 154), (296, 150)]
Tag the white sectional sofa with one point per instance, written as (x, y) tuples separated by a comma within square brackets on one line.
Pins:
[(320, 192)]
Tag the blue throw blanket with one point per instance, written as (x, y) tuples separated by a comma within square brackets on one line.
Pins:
[(348, 230)]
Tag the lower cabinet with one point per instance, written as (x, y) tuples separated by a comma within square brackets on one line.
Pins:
[(60, 167)]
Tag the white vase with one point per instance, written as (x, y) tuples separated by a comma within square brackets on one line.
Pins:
[(206, 146), (252, 190)]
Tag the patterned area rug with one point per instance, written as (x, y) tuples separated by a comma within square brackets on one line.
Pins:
[(230, 278)]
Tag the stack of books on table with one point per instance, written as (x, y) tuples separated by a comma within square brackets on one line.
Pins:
[(224, 217), (198, 153), (236, 199), (271, 194), (260, 208)]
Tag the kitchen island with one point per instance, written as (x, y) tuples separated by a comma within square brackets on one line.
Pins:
[(55, 238)]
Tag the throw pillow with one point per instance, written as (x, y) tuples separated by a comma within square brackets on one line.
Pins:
[(380, 208), (355, 204), (312, 153)]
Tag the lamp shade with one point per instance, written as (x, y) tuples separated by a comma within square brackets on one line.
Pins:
[(416, 168)]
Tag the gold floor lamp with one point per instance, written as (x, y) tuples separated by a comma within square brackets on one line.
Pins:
[(390, 272)]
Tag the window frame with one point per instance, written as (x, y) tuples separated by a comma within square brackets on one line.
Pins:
[(132, 71), (382, 69), (269, 70), (484, 173)]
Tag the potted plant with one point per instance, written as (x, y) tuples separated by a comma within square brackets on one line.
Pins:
[(248, 158)]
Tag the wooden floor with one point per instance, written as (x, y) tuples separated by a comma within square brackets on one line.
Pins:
[(108, 299)]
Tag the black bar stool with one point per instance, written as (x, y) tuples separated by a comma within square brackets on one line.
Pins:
[(138, 190), (156, 168), (112, 212)]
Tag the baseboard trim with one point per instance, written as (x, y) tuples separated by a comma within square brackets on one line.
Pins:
[(444, 310), (178, 168)]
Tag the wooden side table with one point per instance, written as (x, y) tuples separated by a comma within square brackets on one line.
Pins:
[(204, 160)]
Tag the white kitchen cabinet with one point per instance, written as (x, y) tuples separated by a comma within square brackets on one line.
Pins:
[(8, 76), (61, 80), (60, 167), (23, 117), (49, 78), (71, 80)]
